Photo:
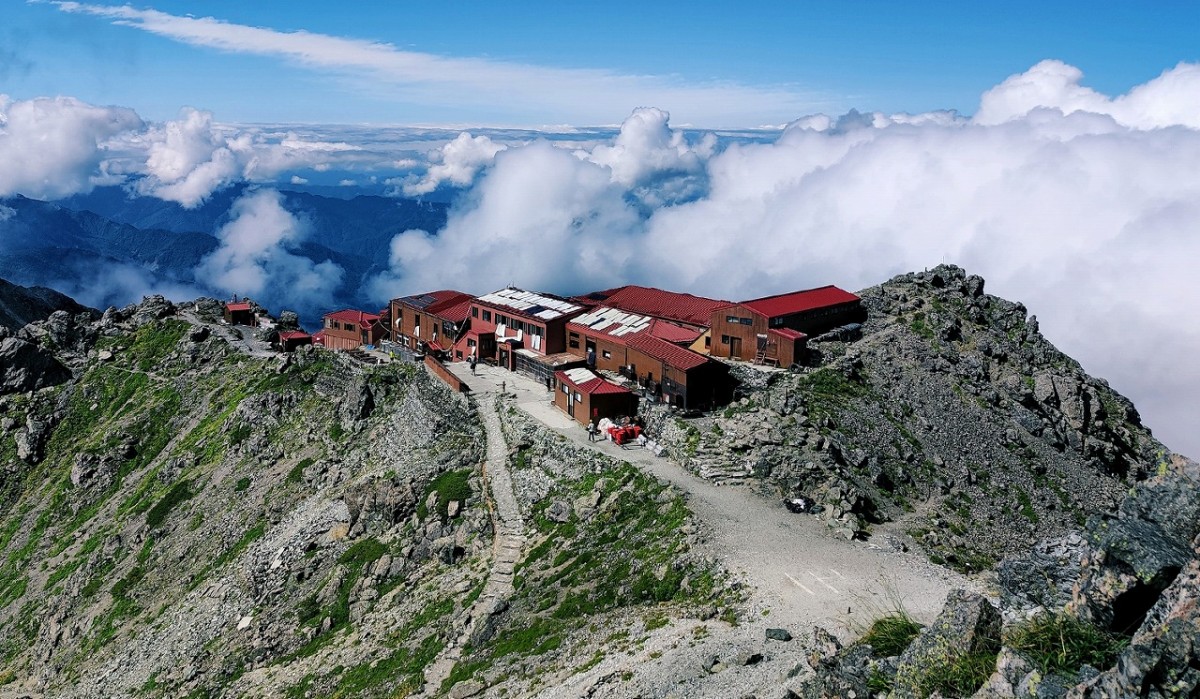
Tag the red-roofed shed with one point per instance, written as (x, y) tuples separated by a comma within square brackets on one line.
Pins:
[(586, 397), (239, 313), (774, 329), (290, 340)]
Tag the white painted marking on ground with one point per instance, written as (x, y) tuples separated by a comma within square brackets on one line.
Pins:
[(800, 585), (843, 577), (818, 579)]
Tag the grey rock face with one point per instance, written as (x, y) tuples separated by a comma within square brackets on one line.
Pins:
[(968, 624), (25, 366), (1044, 578)]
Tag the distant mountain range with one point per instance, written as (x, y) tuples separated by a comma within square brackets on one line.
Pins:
[(20, 305), (108, 248)]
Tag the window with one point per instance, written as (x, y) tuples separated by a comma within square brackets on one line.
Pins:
[(578, 397), (777, 322), (566, 389), (470, 343), (573, 340), (606, 354), (724, 339), (487, 315), (707, 341), (732, 320), (474, 311), (746, 321)]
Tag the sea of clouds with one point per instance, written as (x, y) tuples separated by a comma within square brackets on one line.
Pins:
[(1084, 206)]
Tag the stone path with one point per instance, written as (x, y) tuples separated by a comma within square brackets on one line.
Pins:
[(507, 546), (246, 343), (795, 564)]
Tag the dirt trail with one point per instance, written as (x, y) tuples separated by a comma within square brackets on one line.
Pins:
[(794, 564)]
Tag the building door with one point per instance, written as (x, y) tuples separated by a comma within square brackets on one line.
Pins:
[(571, 404), (735, 347)]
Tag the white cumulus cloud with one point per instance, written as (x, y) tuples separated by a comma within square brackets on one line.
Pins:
[(56, 147), (257, 257), (457, 163), (1171, 99)]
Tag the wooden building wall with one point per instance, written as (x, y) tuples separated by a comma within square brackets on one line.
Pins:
[(594, 406), (734, 339), (616, 359)]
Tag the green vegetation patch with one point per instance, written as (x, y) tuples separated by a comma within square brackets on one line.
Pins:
[(628, 553), (154, 341), (252, 534), (449, 486), (297, 473), (828, 390), (1063, 643), (309, 612), (891, 635), (958, 675), (179, 493)]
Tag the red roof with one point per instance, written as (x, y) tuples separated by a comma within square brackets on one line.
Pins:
[(667, 353), (239, 306), (453, 312), (665, 330), (648, 301), (799, 301), (788, 333), (349, 315), (293, 335), (434, 346), (618, 325), (594, 386)]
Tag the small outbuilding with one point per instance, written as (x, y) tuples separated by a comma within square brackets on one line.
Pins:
[(586, 397), (239, 313), (291, 340)]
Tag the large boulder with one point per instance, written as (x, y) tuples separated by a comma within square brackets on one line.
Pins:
[(969, 624), (1165, 652), (25, 366), (1043, 578)]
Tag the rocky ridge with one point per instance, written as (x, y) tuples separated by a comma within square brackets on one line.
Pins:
[(1110, 613), (947, 422), (182, 515), (21, 305)]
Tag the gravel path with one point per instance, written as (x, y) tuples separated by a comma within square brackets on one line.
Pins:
[(795, 563), (798, 574), (507, 547), (246, 343)]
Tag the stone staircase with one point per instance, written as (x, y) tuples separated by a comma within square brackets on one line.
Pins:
[(722, 471), (508, 547)]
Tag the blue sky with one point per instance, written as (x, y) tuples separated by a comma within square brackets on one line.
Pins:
[(710, 64)]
